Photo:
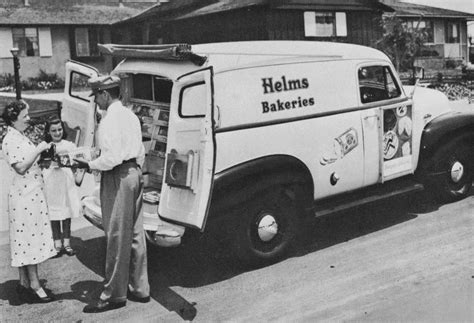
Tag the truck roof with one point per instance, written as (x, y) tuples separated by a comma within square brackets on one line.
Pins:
[(231, 55), (291, 49)]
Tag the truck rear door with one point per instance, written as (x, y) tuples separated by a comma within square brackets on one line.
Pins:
[(190, 161)]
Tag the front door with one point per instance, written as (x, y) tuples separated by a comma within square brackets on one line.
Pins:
[(386, 123), (190, 159)]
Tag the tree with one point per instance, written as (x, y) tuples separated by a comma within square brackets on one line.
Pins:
[(400, 42)]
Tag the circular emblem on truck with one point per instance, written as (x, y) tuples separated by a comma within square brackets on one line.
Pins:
[(390, 144), (401, 111)]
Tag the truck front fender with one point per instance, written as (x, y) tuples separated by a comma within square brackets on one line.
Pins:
[(443, 129)]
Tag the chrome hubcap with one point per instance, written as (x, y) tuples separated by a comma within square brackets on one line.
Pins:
[(457, 172), (267, 228)]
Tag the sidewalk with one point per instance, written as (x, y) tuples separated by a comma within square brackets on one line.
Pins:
[(53, 96)]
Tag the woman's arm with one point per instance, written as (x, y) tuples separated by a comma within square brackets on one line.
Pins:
[(24, 165)]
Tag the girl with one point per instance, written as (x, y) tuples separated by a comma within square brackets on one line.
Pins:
[(61, 192)]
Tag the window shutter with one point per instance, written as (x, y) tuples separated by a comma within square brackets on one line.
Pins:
[(45, 43), (309, 24), (341, 24), (6, 40)]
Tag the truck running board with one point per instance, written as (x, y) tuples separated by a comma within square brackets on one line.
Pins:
[(371, 194)]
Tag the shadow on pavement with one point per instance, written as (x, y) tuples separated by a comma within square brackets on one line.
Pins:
[(207, 261), (92, 255), (8, 293), (79, 291)]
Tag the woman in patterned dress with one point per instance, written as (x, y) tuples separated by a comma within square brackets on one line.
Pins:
[(31, 240)]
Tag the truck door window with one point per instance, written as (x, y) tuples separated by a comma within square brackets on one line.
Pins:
[(193, 101), (79, 88), (376, 83)]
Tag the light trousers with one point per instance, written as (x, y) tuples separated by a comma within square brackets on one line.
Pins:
[(121, 193)]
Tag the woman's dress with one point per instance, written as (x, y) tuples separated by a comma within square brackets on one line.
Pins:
[(31, 238)]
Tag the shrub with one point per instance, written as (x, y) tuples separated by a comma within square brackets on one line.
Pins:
[(44, 81)]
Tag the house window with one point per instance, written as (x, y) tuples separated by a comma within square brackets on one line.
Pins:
[(452, 32), (86, 40), (425, 26), (325, 24), (26, 40)]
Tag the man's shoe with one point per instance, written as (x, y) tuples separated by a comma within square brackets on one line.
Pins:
[(103, 306), (135, 298)]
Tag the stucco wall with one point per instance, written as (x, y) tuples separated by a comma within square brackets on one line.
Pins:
[(30, 66)]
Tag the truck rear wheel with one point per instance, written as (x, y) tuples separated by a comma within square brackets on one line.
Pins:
[(453, 168), (265, 228)]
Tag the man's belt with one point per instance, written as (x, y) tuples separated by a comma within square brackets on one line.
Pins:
[(131, 160)]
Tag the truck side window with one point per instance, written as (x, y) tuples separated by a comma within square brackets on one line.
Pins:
[(79, 88), (151, 88), (193, 101), (376, 83), (142, 87)]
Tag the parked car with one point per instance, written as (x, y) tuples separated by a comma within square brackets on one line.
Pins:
[(260, 136)]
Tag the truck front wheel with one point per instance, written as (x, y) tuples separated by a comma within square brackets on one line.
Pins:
[(265, 228), (453, 173)]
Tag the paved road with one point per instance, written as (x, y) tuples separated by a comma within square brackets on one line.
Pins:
[(406, 259)]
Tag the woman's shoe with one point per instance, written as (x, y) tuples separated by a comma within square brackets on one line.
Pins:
[(40, 296), (69, 251)]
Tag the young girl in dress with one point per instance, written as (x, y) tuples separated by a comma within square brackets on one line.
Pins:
[(61, 192)]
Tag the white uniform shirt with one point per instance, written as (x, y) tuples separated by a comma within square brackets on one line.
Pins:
[(120, 138)]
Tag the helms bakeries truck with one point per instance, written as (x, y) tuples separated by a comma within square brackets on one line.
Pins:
[(261, 136)]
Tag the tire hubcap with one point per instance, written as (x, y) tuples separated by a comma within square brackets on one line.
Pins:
[(267, 228), (457, 172)]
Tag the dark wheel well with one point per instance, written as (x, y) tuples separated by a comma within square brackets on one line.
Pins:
[(448, 175), (429, 150), (244, 182)]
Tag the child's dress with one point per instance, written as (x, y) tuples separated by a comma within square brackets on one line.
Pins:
[(61, 192)]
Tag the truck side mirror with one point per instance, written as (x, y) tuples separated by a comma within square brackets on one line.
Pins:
[(417, 83)]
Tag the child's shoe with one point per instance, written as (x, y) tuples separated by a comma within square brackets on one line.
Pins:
[(59, 253), (69, 251)]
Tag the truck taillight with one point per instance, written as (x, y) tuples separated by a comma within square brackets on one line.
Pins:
[(180, 169)]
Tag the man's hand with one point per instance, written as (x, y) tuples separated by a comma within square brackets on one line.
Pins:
[(81, 163)]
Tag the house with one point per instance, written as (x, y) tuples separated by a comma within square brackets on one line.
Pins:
[(49, 32), (202, 21), (446, 30)]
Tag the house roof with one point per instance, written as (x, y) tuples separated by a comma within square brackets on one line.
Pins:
[(183, 9), (403, 9), (66, 15)]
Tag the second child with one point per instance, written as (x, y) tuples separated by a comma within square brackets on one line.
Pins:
[(62, 195)]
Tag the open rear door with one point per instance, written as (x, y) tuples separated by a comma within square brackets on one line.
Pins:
[(78, 110), (190, 160)]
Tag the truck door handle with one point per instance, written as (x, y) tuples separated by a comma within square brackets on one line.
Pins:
[(370, 117), (218, 116)]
